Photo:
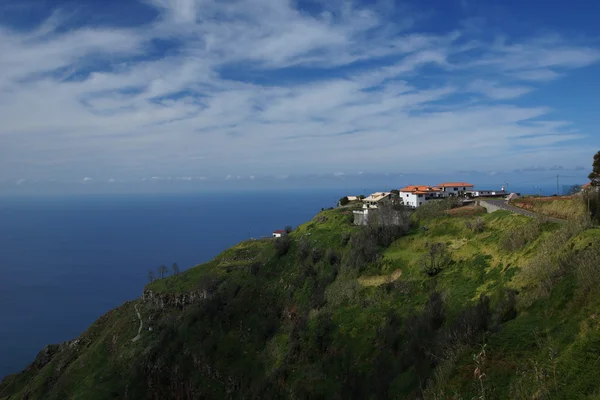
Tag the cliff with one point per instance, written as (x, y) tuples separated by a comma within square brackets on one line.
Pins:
[(474, 305)]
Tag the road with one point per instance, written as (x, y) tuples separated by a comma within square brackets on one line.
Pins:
[(505, 206)]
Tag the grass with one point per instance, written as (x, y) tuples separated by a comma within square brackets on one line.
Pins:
[(566, 207)]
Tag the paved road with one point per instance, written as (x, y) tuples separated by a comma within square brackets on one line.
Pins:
[(505, 206)]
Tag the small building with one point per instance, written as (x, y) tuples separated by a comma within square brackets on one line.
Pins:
[(377, 199), (486, 193), (455, 188), (352, 198), (279, 233), (415, 196)]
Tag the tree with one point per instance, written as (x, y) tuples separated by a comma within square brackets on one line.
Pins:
[(175, 269), (162, 270), (151, 276), (573, 189), (344, 200), (594, 176), (288, 229), (436, 259)]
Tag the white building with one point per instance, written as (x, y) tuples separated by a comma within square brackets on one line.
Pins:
[(278, 233), (484, 193), (455, 188), (376, 199), (415, 196)]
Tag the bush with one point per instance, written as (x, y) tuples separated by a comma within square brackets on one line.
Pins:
[(332, 257), (317, 254), (344, 200), (303, 249), (436, 259), (282, 245), (476, 225), (519, 237), (436, 208), (506, 309)]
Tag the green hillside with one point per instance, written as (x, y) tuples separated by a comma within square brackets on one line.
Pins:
[(456, 306)]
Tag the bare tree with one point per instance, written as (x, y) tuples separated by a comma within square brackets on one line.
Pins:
[(175, 269), (151, 276), (436, 259), (162, 270)]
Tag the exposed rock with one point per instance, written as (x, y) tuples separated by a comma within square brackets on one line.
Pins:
[(174, 300)]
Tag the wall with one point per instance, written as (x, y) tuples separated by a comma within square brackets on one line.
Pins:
[(361, 217), (488, 206)]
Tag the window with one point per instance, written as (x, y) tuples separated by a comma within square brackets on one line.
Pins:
[(455, 189)]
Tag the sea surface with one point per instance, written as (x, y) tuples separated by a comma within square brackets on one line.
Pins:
[(66, 261)]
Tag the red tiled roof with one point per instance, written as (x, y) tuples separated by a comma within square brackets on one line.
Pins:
[(279, 231), (424, 189), (449, 184)]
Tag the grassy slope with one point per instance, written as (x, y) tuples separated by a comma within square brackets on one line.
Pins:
[(567, 207), (251, 336)]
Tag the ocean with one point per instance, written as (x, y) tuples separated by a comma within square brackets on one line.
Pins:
[(66, 261)]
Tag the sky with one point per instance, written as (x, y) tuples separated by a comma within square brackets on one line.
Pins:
[(206, 93)]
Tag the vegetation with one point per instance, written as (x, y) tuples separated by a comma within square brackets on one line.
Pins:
[(490, 306)]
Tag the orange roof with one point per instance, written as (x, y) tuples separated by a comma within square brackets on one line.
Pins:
[(422, 189), (448, 184)]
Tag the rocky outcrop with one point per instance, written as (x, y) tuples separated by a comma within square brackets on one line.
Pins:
[(174, 300)]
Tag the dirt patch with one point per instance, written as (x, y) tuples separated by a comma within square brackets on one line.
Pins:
[(466, 211)]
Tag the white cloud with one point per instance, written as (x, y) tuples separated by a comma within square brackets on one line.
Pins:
[(87, 179), (254, 86), (497, 92)]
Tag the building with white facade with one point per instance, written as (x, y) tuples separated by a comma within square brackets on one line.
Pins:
[(415, 196), (278, 233), (377, 199), (455, 188), (486, 193)]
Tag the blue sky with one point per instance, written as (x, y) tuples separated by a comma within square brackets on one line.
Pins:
[(208, 92)]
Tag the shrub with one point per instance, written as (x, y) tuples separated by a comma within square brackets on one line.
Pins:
[(282, 245), (470, 322), (588, 269), (476, 225), (346, 238), (288, 229), (506, 309), (343, 201), (317, 254), (303, 249), (436, 259), (332, 257), (517, 238), (436, 208)]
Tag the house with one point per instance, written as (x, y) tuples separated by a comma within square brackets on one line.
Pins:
[(377, 199), (455, 188), (279, 233), (486, 193), (352, 198), (415, 196)]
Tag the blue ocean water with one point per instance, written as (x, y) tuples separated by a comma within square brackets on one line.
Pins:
[(66, 261)]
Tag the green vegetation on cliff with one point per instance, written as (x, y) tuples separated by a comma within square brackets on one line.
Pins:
[(460, 305)]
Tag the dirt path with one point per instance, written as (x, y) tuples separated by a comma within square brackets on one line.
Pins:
[(138, 337)]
